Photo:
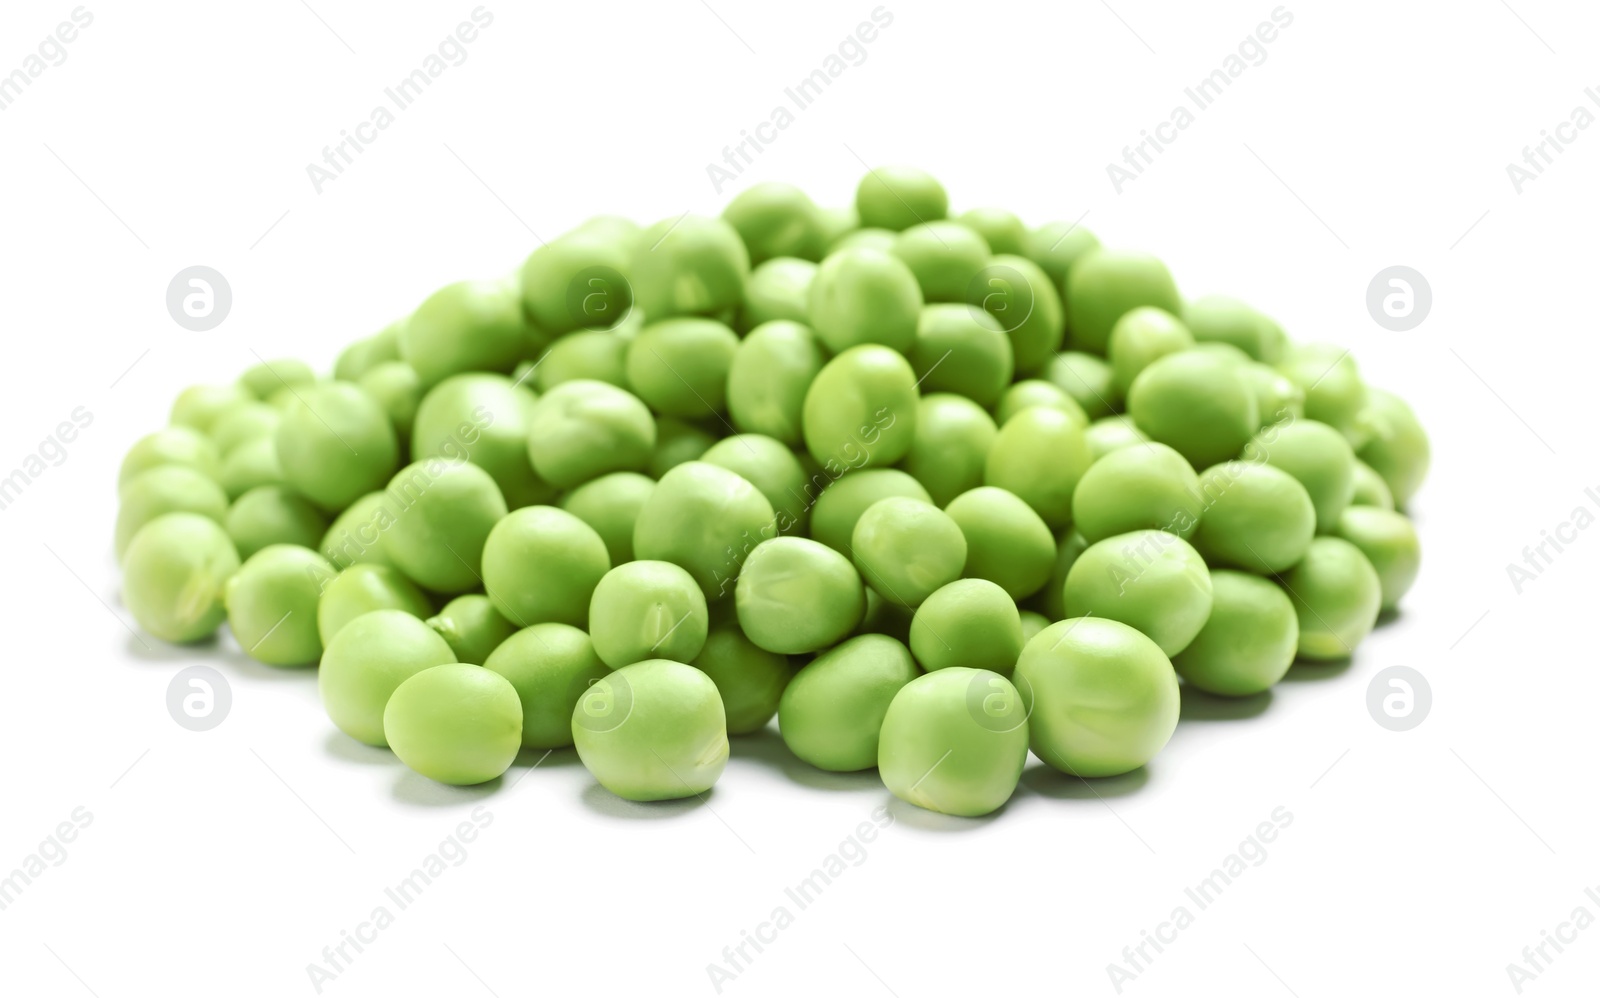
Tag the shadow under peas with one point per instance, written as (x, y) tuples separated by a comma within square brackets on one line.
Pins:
[(529, 759), (346, 749), (1198, 705), (602, 801), (923, 820), (150, 649), (1048, 782), (411, 787), (766, 746), (1311, 672)]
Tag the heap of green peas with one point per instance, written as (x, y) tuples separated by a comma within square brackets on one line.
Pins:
[(933, 490)]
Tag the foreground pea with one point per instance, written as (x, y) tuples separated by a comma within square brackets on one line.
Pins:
[(472, 627), (174, 571), (272, 604), (367, 660), (1148, 579), (581, 430), (1318, 457), (1398, 448), (1196, 403), (832, 711), (1007, 542), (482, 418), (946, 257), (1256, 517), (679, 366), (457, 724), (861, 410), (950, 447), (962, 349), (168, 488), (1147, 486), (706, 519), (954, 741), (775, 470), (336, 444), (690, 265), (1389, 540), (749, 678), (970, 623), (610, 504), (466, 326), (1337, 595), (862, 296), (363, 588), (447, 509), (907, 549), (837, 508), (654, 730), (796, 596), (541, 564), (768, 379), (1248, 642), (1040, 454), (647, 609), (1105, 285), (551, 666)]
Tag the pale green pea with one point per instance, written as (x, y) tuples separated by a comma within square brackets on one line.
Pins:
[(446, 510), (1040, 454), (689, 265), (1032, 623), (945, 258), (898, 197), (706, 519), (174, 571), (1248, 642), (541, 565), (590, 354), (864, 296), (832, 711), (173, 445), (457, 724), (1024, 301), (1256, 517), (962, 349), (1149, 486), (1197, 404), (485, 419), (356, 533), (367, 661), (970, 623), (655, 730), (1086, 378), (472, 627), (1370, 488), (167, 488), (1142, 336), (1049, 599), (1220, 319), (841, 502), (881, 240), (680, 366), (551, 666), (336, 444), (274, 514), (1389, 540), (1147, 579), (1398, 449), (796, 596), (950, 447), (1057, 247), (1105, 285), (269, 377), (861, 410), (610, 504), (398, 391), (362, 589), (1337, 595), (647, 609), (1318, 457), (1036, 392), (272, 604), (776, 219), (1335, 393), (768, 379), (778, 290), (1002, 231), (678, 442), (777, 471), (906, 549), (244, 422), (750, 679), (199, 406), (250, 465), (955, 742), (838, 223), (580, 281), (466, 326), (1109, 433), (582, 429), (1007, 542)]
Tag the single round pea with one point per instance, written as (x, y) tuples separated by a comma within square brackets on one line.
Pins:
[(833, 709), (840, 504), (954, 741), (678, 442), (647, 609), (272, 604), (906, 549), (1140, 337), (1335, 393), (655, 730), (367, 661), (768, 379), (267, 378), (466, 326), (273, 514), (336, 444), (1389, 540), (1398, 449), (1147, 487), (749, 678), (1109, 433), (610, 504), (398, 391), (579, 281), (861, 410), (1256, 517), (778, 290), (168, 488), (864, 296), (1024, 301), (485, 419), (1007, 542), (356, 533), (1248, 642), (680, 366), (962, 349), (1032, 623), (772, 468), (1036, 392), (1337, 595), (457, 724), (1001, 230), (1370, 488), (250, 465), (705, 519), (1040, 454), (1087, 379), (362, 589), (1049, 599), (1220, 319), (199, 406), (1148, 579), (1101, 698), (898, 197), (690, 265), (173, 576), (796, 596), (550, 666), (1197, 404), (447, 509), (242, 423), (776, 219), (180, 445), (1057, 247), (587, 355), (472, 627), (945, 257), (1318, 457), (950, 447), (881, 240), (970, 623), (1105, 285), (541, 564), (581, 430)]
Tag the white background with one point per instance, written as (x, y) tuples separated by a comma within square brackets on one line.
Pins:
[(1374, 134)]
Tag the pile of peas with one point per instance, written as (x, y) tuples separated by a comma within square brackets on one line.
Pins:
[(933, 491)]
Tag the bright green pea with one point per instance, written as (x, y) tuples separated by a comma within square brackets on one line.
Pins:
[(1220, 319), (1109, 433), (366, 662), (864, 296), (655, 730), (962, 349), (1335, 393), (365, 588), (1337, 595), (647, 609), (610, 504), (680, 366), (1257, 518), (1398, 449), (174, 571), (242, 423), (796, 596), (778, 290), (1197, 404), (768, 379), (1389, 540), (906, 549), (1036, 392), (179, 445), (898, 197), (447, 509), (970, 623), (749, 678), (1032, 623), (1370, 489), (881, 240), (690, 265), (590, 355), (706, 519), (472, 627), (551, 666), (1070, 546), (776, 219), (861, 410), (1024, 301), (581, 430), (458, 724), (355, 534), (580, 281), (1146, 487), (1148, 579), (1087, 379), (398, 391), (1248, 642), (1101, 698), (1040, 454), (945, 258), (541, 564), (950, 447), (485, 419), (1318, 457), (840, 504), (1001, 230), (272, 604), (1105, 285), (772, 468), (466, 326), (267, 378), (1007, 542), (1142, 336), (832, 711), (1057, 247), (678, 442), (955, 742), (199, 406), (336, 444), (167, 488), (273, 514)]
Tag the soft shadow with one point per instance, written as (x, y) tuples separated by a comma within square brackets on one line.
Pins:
[(1047, 782), (602, 801), (561, 758), (149, 649), (1311, 672), (1198, 705), (214, 651), (1388, 616), (922, 819), (766, 746), (411, 787), (346, 749)]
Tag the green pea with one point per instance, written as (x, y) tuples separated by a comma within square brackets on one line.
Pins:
[(541, 565), (466, 326), (581, 430), (1032, 623), (365, 588), (945, 258), (1398, 449), (1141, 337), (1087, 379), (1105, 285), (273, 514), (352, 360), (886, 617), (1318, 457), (772, 468), (898, 197), (1121, 672), (1040, 454), (654, 730), (1067, 551), (690, 265), (1248, 642), (840, 503), (447, 509), (970, 623), (1335, 393), (167, 488), (833, 709), (1337, 595), (778, 290), (242, 423), (962, 349), (1007, 542), (1036, 392), (265, 379), (1197, 404), (881, 240), (749, 678), (680, 366), (906, 549), (398, 391), (647, 609), (1147, 487), (1148, 579), (678, 442), (588, 355), (472, 627), (1389, 540), (1277, 398), (173, 573), (861, 410), (864, 296), (1256, 517), (179, 445), (1109, 433), (1057, 247), (485, 419), (366, 662), (837, 223), (336, 444), (768, 379), (580, 281), (705, 519), (457, 724), (954, 741), (950, 447), (776, 219), (272, 604), (1024, 301), (796, 596), (250, 465), (610, 504), (1370, 488), (199, 406), (1220, 319), (1001, 230), (550, 666), (356, 533)]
